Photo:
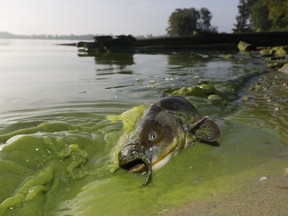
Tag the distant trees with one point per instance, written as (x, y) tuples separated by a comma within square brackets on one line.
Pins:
[(243, 19), (184, 22), (259, 16), (262, 15), (7, 35), (274, 15)]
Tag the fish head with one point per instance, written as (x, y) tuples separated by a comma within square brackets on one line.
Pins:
[(156, 137)]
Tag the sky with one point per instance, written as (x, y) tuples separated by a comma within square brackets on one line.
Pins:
[(136, 17)]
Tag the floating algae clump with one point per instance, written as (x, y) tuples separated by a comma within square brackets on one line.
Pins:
[(33, 167), (279, 51), (243, 46), (199, 91), (30, 190), (217, 100), (205, 91), (79, 157), (129, 118)]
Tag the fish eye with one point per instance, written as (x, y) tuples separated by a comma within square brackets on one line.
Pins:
[(153, 136)]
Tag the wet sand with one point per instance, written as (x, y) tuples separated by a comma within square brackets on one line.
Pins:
[(266, 196)]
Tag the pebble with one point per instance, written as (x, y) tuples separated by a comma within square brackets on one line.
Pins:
[(245, 98), (285, 172), (263, 178), (284, 69)]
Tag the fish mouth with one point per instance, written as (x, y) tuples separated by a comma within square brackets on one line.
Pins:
[(141, 163), (134, 158), (138, 160), (138, 165), (134, 166)]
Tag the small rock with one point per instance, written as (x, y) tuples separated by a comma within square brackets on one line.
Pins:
[(217, 100), (245, 98), (229, 57), (243, 46), (284, 69), (280, 51), (263, 178), (285, 172)]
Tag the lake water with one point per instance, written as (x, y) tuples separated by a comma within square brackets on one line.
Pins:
[(56, 141)]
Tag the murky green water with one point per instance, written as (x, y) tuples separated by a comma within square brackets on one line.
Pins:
[(56, 142)]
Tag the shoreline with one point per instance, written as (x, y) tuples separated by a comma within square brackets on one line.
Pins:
[(264, 196), (201, 40)]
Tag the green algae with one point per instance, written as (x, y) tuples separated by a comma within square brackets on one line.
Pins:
[(129, 118), (229, 56), (278, 51), (29, 191), (243, 46), (198, 172), (276, 56), (51, 126), (217, 100), (67, 173), (208, 91), (203, 90), (38, 165), (199, 91)]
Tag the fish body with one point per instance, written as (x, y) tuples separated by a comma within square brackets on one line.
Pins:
[(162, 132)]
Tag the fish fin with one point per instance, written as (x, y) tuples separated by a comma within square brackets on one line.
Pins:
[(205, 130)]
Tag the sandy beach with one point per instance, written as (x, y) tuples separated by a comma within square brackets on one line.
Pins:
[(267, 196)]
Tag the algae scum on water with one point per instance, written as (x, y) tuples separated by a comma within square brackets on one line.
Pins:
[(63, 163)]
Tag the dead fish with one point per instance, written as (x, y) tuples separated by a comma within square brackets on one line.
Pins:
[(162, 132)]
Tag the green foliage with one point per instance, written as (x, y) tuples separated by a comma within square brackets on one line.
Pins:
[(242, 19), (264, 15), (184, 22), (259, 17), (204, 21), (278, 14)]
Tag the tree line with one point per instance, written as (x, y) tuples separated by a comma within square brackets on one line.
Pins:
[(253, 16), (188, 21), (7, 35), (262, 15)]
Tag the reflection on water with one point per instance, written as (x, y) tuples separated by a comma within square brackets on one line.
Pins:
[(188, 60), (107, 64), (119, 59), (53, 108)]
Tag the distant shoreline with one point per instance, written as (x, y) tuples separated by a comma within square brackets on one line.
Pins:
[(7, 35)]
